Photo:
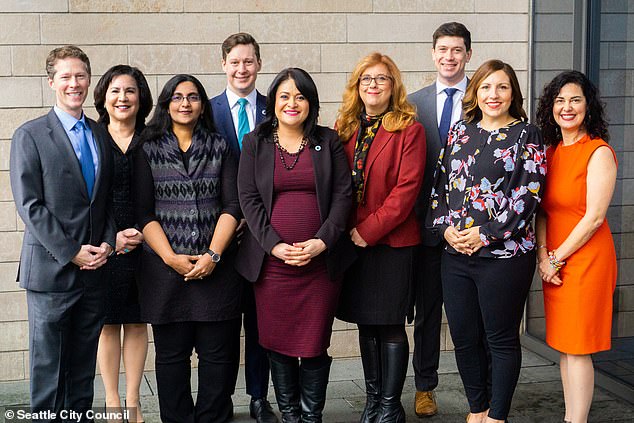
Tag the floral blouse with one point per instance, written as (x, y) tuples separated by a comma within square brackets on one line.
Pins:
[(493, 180)]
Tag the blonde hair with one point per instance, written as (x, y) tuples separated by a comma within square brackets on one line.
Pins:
[(401, 113)]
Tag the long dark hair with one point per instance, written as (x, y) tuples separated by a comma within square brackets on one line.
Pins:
[(594, 122), (306, 86), (145, 96), (472, 111), (161, 122)]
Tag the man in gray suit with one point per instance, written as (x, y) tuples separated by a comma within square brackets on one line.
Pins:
[(439, 106), (61, 170)]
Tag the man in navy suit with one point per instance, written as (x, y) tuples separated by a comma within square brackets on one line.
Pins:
[(61, 170), (439, 106), (237, 110)]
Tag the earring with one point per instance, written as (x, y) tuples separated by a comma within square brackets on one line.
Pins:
[(274, 124)]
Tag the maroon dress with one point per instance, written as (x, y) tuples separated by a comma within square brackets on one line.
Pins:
[(295, 305)]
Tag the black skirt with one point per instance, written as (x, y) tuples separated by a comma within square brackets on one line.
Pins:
[(378, 288)]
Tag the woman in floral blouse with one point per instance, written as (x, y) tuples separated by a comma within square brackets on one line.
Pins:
[(488, 185)]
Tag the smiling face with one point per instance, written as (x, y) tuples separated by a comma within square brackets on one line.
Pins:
[(569, 108), (450, 57), (122, 99), (185, 112), (291, 107), (241, 67), (375, 97), (494, 97), (70, 83)]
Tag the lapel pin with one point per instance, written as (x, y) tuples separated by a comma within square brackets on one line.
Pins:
[(318, 148), (263, 112)]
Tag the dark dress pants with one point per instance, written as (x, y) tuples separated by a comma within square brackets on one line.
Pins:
[(64, 330), (256, 361), (217, 346), (487, 296), (428, 320)]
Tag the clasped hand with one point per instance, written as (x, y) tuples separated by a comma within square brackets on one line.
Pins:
[(90, 257), (192, 267), (466, 241), (300, 253), (128, 240), (548, 273)]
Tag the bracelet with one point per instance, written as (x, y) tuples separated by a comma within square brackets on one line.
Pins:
[(541, 246), (554, 262)]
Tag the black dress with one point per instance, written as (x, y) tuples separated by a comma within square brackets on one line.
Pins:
[(122, 299)]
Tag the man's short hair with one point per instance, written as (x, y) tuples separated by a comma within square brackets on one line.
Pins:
[(239, 38), (453, 29), (65, 52)]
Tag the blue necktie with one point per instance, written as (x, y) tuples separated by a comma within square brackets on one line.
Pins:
[(87, 166), (445, 118), (243, 121)]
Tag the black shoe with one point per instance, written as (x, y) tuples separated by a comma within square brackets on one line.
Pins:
[(285, 378), (394, 358), (314, 384), (260, 409), (370, 358)]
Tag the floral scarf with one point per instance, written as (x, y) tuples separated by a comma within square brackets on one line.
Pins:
[(367, 132)]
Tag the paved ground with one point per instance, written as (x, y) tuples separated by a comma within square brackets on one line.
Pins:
[(538, 397)]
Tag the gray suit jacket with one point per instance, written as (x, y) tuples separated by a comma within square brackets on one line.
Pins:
[(51, 198)]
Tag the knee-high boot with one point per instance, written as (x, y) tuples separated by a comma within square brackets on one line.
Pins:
[(314, 384), (371, 360), (394, 359), (286, 383)]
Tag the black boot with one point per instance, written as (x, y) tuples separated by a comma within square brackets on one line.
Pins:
[(394, 359), (313, 397), (286, 383), (370, 358)]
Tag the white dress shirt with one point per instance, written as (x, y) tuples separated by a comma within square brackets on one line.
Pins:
[(456, 111), (250, 107)]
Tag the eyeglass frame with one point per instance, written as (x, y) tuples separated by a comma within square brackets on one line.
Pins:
[(374, 78), (178, 98)]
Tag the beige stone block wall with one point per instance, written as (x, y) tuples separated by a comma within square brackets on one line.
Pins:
[(165, 37)]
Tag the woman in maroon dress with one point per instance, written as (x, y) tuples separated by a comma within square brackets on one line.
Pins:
[(295, 192)]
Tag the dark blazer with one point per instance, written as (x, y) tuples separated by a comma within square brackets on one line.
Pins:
[(51, 198), (425, 101), (334, 198), (224, 121), (393, 176)]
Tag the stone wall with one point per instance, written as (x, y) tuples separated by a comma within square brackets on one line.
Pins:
[(165, 37)]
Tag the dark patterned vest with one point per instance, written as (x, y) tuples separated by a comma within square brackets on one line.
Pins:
[(187, 202)]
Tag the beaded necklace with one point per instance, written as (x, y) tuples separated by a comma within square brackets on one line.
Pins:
[(281, 150)]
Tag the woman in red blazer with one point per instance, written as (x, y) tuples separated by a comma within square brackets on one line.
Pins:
[(386, 148)]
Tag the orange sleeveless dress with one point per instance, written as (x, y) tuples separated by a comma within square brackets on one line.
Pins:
[(579, 312)]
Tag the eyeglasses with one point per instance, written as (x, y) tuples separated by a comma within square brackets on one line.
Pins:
[(192, 98), (379, 79)]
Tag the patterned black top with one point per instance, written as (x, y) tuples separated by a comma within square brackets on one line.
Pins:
[(493, 180)]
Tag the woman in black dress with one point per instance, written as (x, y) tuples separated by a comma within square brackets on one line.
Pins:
[(186, 202), (123, 101)]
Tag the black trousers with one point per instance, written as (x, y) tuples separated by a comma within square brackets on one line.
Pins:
[(217, 345), (256, 360), (486, 295), (427, 322)]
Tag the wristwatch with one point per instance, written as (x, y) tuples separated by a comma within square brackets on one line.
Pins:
[(215, 257)]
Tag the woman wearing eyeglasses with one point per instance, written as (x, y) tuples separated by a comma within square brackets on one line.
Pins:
[(386, 149), (186, 202)]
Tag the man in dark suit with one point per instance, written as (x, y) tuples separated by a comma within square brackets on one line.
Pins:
[(61, 170), (236, 112), (439, 106)]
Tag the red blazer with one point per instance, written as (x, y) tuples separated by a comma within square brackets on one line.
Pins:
[(394, 173)]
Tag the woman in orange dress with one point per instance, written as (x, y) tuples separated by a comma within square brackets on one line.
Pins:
[(576, 256)]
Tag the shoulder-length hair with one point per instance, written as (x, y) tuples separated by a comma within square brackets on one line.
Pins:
[(594, 121), (470, 106), (307, 87), (401, 113), (161, 122), (145, 96)]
